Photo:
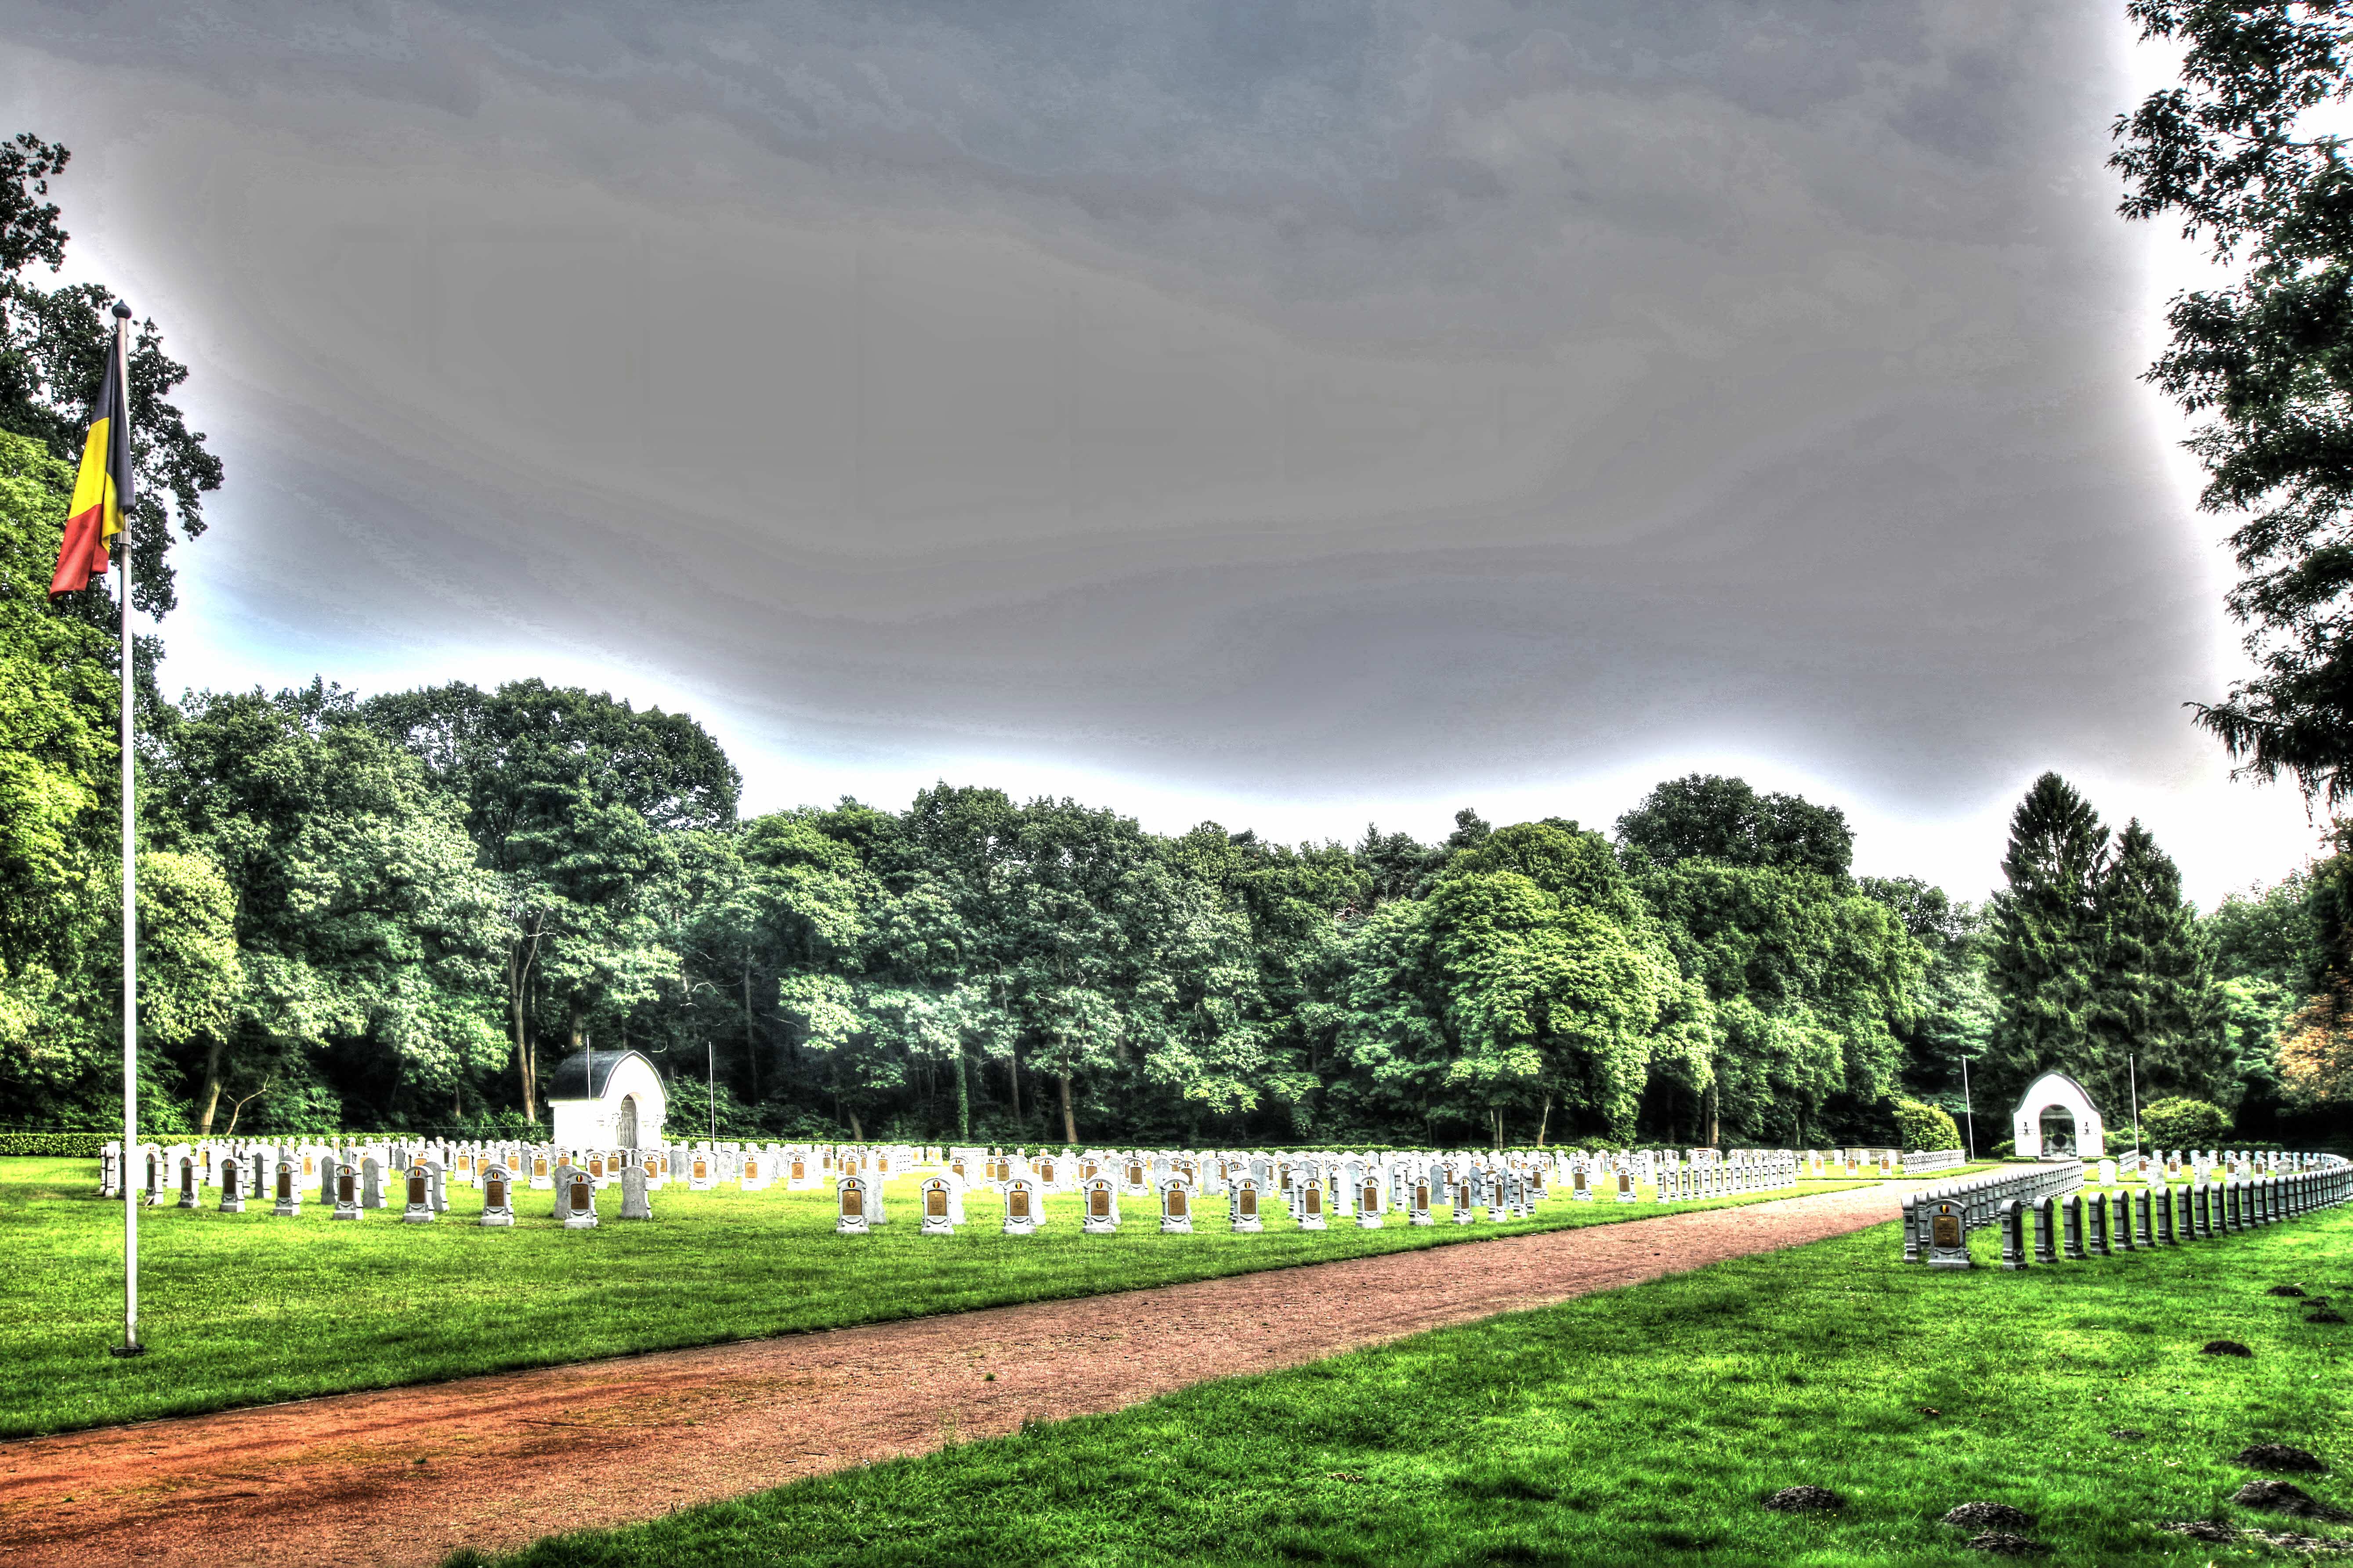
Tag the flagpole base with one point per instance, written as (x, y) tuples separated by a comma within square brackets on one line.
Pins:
[(127, 1350)]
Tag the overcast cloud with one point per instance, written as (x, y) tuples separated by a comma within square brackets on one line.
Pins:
[(1293, 414)]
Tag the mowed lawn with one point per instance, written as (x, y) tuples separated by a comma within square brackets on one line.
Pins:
[(250, 1308), (1646, 1425)]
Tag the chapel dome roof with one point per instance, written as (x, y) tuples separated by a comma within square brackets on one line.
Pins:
[(2041, 1088), (583, 1075)]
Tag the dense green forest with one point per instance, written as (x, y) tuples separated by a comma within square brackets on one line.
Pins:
[(400, 911)]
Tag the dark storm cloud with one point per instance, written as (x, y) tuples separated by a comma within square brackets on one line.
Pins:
[(1390, 403)]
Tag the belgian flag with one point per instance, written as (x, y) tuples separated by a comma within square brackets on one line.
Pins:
[(101, 490)]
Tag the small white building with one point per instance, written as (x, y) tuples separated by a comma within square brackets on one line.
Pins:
[(2056, 1118), (607, 1100)]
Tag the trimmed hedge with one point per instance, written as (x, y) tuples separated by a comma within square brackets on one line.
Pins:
[(56, 1145), (1925, 1129), (2182, 1123)]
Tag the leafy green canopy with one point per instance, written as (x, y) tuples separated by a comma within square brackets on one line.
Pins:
[(2100, 968), (1706, 816), (2243, 154), (53, 347)]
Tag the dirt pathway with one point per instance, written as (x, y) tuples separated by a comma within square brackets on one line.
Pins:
[(405, 1475)]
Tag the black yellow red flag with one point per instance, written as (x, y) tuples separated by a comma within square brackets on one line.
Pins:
[(101, 492)]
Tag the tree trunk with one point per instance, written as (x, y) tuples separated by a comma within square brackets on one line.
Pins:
[(1013, 1076), (751, 1036), (1712, 1099), (523, 1061), (212, 1085), (1497, 1112), (519, 961), (964, 1099), (857, 1129), (1069, 1128), (1545, 1121)]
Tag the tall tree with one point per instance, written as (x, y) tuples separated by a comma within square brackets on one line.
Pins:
[(365, 926), (573, 798), (2153, 996), (53, 347), (2245, 156), (1809, 982), (2044, 943), (2315, 1044), (1711, 817)]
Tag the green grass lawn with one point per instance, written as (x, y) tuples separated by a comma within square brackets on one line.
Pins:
[(249, 1309), (1645, 1425)]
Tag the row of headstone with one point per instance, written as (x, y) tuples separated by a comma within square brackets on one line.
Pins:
[(1316, 1188), (804, 1167), (1937, 1224), (2202, 1165), (1364, 1197), (2161, 1215)]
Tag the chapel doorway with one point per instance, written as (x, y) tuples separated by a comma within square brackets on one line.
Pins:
[(628, 1132), (2058, 1130)]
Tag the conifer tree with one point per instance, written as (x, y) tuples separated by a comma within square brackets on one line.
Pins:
[(2045, 937), (2154, 996)]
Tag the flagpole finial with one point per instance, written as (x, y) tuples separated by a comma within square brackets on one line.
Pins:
[(122, 310)]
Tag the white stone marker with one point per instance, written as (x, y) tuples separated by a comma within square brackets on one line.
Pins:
[(1020, 1207), (498, 1196), (420, 1197), (1176, 1206), (937, 1220), (1245, 1208), (580, 1210), (346, 1193), (850, 1206)]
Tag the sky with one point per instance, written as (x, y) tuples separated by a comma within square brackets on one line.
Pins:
[(1291, 414)]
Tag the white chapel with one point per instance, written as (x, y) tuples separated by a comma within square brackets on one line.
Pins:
[(607, 1100)]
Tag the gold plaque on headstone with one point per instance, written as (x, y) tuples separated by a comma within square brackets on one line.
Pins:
[(1944, 1231)]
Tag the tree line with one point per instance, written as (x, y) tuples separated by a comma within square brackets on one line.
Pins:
[(400, 910)]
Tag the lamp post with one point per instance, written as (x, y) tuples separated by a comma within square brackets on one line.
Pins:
[(1969, 1110), (709, 1055)]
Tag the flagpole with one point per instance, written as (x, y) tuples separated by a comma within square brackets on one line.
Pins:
[(129, 1345)]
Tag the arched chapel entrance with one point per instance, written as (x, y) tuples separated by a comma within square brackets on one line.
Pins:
[(2058, 1130), (2056, 1120), (626, 1134)]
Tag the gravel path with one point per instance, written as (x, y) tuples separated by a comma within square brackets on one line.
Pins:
[(406, 1476)]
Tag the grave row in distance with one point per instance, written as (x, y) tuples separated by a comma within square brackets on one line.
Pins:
[(1937, 1224), (356, 1179)]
